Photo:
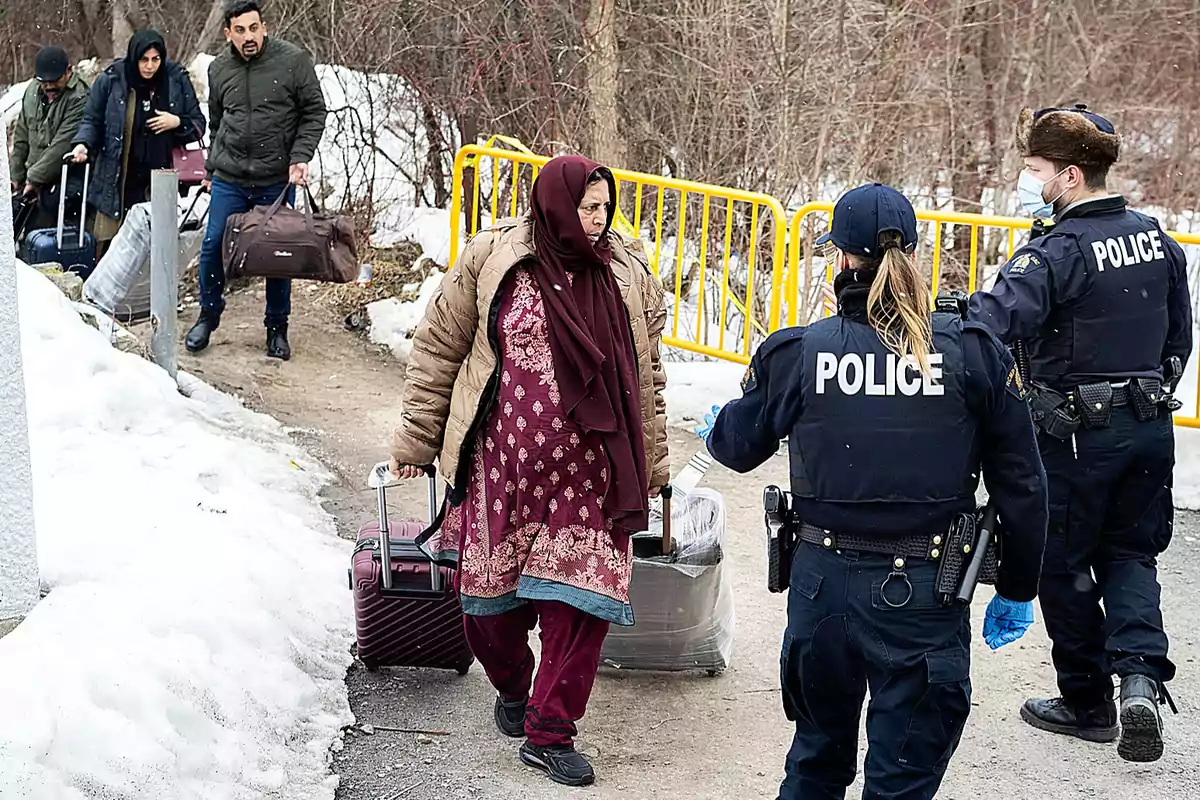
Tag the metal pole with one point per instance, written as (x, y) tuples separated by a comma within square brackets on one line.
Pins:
[(164, 267), (19, 583)]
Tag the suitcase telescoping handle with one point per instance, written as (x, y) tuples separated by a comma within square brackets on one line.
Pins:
[(62, 201), (667, 544), (381, 479)]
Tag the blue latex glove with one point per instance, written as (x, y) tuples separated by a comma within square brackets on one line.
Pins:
[(1006, 621), (710, 419)]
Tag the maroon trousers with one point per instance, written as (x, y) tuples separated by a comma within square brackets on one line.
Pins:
[(558, 696)]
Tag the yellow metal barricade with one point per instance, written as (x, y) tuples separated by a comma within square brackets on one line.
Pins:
[(734, 297), (931, 250)]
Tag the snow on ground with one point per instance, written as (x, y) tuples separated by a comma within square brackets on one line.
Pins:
[(392, 322), (428, 228), (196, 634)]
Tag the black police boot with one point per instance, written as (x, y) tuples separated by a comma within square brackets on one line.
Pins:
[(510, 717), (1096, 724), (277, 343), (198, 336), (563, 763), (1141, 725)]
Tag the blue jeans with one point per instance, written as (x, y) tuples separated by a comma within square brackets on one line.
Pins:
[(853, 625), (228, 199)]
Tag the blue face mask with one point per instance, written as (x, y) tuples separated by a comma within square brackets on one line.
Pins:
[(1029, 192)]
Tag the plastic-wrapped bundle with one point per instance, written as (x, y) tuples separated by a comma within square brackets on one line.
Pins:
[(120, 284), (682, 602)]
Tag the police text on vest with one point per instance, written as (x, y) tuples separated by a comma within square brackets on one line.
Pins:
[(1127, 251), (858, 374)]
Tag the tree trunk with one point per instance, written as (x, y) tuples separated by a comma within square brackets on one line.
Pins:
[(603, 61), (99, 37), (122, 26), (468, 125), (966, 185), (433, 154), (213, 25)]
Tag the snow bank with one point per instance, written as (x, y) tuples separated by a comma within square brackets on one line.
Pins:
[(196, 634), (428, 228), (392, 322)]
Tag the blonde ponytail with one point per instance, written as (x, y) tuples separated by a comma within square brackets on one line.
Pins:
[(898, 306)]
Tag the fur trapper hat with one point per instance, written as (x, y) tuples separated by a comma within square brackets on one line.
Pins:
[(1068, 136)]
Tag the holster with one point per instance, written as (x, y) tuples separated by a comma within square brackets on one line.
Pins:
[(1095, 404), (960, 544), (781, 538), (1053, 412)]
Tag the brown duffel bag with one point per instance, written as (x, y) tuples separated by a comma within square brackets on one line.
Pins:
[(282, 242)]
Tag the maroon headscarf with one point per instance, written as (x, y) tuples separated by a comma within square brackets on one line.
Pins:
[(590, 336)]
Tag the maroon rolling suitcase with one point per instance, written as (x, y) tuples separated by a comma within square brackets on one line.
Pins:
[(410, 615)]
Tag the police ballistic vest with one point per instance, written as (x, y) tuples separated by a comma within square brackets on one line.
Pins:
[(873, 428), (1119, 325)]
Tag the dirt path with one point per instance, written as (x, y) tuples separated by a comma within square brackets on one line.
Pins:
[(655, 736)]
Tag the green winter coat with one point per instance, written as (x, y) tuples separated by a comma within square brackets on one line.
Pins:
[(44, 131), (264, 114)]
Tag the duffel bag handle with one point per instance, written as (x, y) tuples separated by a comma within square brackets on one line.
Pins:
[(274, 209)]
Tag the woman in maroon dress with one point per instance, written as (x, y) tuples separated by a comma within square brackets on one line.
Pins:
[(535, 380)]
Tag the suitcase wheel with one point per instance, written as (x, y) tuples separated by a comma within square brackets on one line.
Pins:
[(463, 669), (712, 673)]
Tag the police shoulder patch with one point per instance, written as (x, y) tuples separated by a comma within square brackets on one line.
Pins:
[(1013, 382), (1023, 263), (749, 381)]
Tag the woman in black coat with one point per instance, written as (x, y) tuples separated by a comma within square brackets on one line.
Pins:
[(139, 109)]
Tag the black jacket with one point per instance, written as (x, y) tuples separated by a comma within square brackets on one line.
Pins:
[(103, 128), (267, 113)]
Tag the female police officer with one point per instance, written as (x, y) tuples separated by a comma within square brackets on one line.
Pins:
[(889, 412)]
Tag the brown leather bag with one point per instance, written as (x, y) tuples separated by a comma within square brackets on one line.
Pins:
[(282, 242)]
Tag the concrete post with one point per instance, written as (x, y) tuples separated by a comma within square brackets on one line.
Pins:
[(164, 267), (19, 583)]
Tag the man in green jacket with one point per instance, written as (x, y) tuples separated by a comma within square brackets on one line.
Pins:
[(51, 111), (266, 117)]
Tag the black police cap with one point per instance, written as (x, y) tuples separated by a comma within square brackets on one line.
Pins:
[(864, 214)]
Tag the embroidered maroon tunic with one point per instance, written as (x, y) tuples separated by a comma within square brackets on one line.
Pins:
[(531, 526)]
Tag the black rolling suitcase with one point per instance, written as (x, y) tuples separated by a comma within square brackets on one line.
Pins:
[(72, 247)]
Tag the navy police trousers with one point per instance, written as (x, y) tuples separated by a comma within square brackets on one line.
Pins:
[(851, 626), (1110, 517)]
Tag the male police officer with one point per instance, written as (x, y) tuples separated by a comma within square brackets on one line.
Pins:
[(886, 449), (1101, 299)]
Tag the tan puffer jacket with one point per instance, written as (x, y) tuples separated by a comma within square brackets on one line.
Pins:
[(453, 366)]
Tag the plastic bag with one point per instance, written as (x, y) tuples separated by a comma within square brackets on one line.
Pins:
[(683, 606), (120, 284)]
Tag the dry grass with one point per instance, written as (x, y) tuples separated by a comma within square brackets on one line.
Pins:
[(392, 275)]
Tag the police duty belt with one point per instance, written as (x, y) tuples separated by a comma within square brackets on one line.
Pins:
[(952, 550)]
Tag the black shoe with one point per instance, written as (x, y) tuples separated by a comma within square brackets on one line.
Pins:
[(510, 717), (1097, 724), (1141, 725), (564, 764), (277, 343), (198, 336)]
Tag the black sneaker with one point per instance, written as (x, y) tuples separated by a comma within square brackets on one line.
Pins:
[(563, 763), (198, 336), (1141, 725), (1098, 724), (510, 717), (277, 342)]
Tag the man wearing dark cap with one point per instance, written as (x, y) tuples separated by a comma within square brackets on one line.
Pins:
[(891, 412), (1099, 297), (50, 114)]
